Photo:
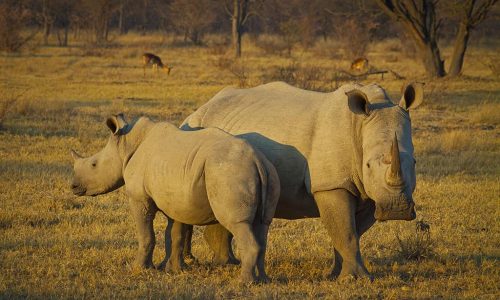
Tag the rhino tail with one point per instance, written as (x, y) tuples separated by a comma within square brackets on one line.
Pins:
[(263, 189)]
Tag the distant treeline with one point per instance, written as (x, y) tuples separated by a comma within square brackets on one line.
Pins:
[(422, 22)]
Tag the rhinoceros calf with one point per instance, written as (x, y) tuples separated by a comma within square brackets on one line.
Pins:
[(345, 156), (200, 177)]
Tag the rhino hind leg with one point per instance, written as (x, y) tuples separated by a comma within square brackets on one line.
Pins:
[(175, 263), (143, 212), (219, 240), (337, 210), (261, 231), (249, 250), (187, 254)]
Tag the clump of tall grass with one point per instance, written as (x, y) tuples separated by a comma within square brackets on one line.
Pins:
[(417, 245)]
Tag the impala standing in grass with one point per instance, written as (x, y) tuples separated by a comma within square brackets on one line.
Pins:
[(149, 59)]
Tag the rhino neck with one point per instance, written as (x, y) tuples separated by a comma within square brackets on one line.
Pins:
[(357, 157), (130, 141)]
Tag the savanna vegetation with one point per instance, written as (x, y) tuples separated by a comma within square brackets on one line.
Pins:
[(56, 96)]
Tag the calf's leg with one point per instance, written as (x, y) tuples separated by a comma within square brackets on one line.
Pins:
[(337, 210), (143, 212), (249, 249)]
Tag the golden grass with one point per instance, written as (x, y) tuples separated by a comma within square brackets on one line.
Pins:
[(55, 245)]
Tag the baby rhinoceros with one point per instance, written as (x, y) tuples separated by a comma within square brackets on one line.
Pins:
[(194, 177)]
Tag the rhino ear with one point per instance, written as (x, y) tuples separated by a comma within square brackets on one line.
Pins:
[(358, 102), (413, 95), (116, 123), (75, 155)]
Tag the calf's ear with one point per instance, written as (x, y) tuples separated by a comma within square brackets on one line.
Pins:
[(75, 155), (358, 102), (116, 123), (413, 95)]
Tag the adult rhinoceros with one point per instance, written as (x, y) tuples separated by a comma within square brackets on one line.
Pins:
[(345, 156)]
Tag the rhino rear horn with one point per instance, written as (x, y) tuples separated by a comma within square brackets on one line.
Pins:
[(413, 95), (394, 176)]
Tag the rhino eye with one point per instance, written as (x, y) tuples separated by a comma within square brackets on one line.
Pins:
[(94, 164), (368, 165), (414, 161)]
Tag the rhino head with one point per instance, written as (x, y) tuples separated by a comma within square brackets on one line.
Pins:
[(102, 172), (388, 165)]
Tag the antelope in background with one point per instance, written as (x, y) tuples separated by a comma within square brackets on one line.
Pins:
[(359, 65), (149, 59)]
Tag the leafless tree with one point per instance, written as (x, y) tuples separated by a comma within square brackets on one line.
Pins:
[(239, 13), (99, 13), (420, 20), (192, 18), (471, 13), (418, 17)]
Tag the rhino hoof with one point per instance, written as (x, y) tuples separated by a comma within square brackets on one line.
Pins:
[(264, 279), (247, 281), (175, 268), (189, 259), (226, 261), (351, 276)]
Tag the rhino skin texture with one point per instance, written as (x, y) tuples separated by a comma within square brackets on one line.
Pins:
[(336, 155), (200, 177)]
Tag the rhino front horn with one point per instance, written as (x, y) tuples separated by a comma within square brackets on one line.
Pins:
[(393, 175)]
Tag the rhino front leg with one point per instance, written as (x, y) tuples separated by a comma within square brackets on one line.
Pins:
[(143, 212), (337, 210), (219, 239)]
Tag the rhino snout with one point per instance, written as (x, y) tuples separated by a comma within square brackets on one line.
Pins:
[(396, 211), (77, 189)]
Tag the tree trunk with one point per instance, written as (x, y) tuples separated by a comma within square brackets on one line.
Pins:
[(457, 60), (46, 31), (46, 23), (434, 65), (121, 29), (236, 28)]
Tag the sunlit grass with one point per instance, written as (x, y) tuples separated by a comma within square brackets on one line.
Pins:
[(54, 245)]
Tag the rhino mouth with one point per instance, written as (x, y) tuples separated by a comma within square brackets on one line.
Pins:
[(78, 190), (401, 210)]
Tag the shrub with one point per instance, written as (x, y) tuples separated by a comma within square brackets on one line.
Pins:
[(416, 246), (305, 77)]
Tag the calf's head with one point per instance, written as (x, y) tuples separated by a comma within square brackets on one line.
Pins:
[(102, 172), (388, 164)]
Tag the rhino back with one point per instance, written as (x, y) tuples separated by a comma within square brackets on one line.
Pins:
[(169, 165), (306, 135)]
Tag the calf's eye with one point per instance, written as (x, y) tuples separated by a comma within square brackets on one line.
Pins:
[(94, 164)]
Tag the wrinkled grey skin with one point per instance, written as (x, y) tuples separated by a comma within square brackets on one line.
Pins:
[(345, 156), (200, 178)]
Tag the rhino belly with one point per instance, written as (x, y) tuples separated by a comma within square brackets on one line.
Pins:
[(189, 206)]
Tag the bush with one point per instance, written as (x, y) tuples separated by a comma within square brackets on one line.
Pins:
[(271, 45), (416, 246), (305, 77)]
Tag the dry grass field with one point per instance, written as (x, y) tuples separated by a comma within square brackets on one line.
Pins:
[(54, 245)]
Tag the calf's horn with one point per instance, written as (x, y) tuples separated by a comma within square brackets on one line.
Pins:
[(394, 172)]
